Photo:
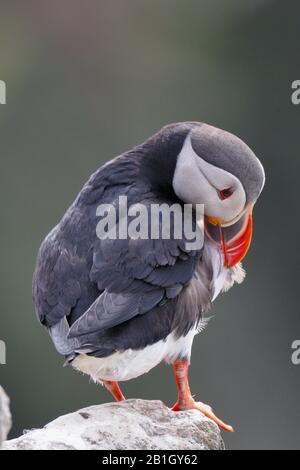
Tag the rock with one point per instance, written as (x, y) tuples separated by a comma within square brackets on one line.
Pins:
[(5, 416), (132, 424)]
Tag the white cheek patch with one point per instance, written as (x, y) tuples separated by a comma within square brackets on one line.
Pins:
[(189, 183), (197, 182)]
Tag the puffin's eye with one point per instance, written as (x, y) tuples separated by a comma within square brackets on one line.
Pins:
[(225, 193)]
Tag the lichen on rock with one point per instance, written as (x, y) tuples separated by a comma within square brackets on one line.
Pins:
[(5, 416)]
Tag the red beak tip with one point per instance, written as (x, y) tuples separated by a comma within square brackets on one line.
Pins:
[(235, 251)]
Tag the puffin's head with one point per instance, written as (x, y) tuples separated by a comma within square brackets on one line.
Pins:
[(217, 169)]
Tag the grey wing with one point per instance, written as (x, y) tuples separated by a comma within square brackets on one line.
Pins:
[(56, 282), (134, 276), (61, 283)]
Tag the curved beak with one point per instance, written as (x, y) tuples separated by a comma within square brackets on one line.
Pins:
[(234, 239)]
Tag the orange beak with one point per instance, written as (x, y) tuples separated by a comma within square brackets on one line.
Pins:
[(236, 246)]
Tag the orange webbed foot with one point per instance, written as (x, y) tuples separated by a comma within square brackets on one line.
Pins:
[(206, 410), (185, 399)]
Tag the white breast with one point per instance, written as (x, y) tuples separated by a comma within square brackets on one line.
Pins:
[(223, 278)]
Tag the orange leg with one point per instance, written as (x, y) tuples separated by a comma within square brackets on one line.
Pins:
[(185, 400), (114, 389)]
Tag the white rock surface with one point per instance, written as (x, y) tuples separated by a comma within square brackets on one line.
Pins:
[(5, 416), (132, 424)]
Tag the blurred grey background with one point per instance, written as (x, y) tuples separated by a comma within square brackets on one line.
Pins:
[(88, 80)]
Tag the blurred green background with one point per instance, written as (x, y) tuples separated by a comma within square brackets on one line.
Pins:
[(88, 80)]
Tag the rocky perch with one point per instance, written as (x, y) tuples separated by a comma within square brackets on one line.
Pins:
[(132, 424), (5, 416)]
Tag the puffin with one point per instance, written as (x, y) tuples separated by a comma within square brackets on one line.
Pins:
[(117, 307)]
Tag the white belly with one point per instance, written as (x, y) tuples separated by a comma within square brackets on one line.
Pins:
[(129, 364)]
